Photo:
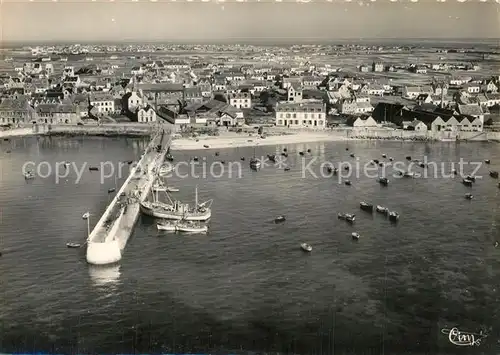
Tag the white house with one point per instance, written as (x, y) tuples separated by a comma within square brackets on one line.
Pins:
[(411, 92), (103, 102), (294, 93), (417, 126), (146, 114), (135, 100), (301, 115), (240, 100), (472, 88), (437, 125), (472, 111), (364, 122)]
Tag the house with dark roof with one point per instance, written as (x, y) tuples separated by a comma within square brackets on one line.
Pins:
[(14, 111)]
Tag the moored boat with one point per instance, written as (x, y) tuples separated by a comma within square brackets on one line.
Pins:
[(494, 174), (347, 182), (169, 157), (469, 196), (191, 227), (408, 157), (93, 168), (467, 182), (347, 217), (471, 178), (384, 156), (382, 209), (366, 206), (73, 245), (306, 247), (272, 157), (280, 219), (29, 175), (355, 235), (255, 164), (487, 161), (383, 181), (393, 216), (169, 226), (410, 175)]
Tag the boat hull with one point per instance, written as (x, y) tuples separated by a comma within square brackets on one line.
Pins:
[(177, 216)]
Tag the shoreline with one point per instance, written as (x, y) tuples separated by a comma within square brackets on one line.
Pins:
[(223, 140)]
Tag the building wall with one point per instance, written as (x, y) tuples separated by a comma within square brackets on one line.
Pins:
[(301, 119)]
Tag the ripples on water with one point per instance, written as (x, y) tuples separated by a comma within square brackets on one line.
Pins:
[(246, 285)]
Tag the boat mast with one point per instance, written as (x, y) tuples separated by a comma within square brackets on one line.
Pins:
[(196, 197)]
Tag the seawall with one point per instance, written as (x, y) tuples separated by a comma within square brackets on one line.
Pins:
[(105, 246)]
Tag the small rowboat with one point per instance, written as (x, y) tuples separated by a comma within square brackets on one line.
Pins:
[(73, 245), (306, 247)]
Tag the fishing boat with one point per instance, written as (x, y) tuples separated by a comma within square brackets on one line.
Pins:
[(195, 158), (306, 247), (242, 158), (287, 169), (467, 182), (280, 219), (301, 153), (376, 161), (454, 171), (284, 155), (175, 210), (383, 181), (366, 206), (309, 150), (29, 175), (169, 157), (381, 164), (469, 196), (352, 155), (494, 174), (255, 164), (347, 182), (332, 170), (391, 159), (169, 226), (347, 217), (471, 178), (111, 190), (409, 175), (393, 216), (422, 165), (272, 157), (382, 209), (191, 227), (487, 161), (206, 146), (158, 186), (93, 168), (384, 156), (73, 245), (86, 215), (355, 235), (408, 157)]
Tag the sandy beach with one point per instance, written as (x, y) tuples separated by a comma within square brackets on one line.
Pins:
[(234, 140), (16, 132)]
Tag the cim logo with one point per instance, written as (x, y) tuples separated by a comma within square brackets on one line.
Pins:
[(461, 338)]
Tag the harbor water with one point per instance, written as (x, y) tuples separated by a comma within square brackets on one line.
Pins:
[(247, 286)]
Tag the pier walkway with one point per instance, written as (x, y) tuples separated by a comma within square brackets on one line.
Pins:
[(111, 233)]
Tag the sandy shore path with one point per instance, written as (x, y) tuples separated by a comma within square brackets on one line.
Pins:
[(230, 140)]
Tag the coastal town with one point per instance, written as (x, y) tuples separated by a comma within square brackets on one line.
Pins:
[(367, 91)]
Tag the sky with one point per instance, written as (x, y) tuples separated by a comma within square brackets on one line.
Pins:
[(86, 21)]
